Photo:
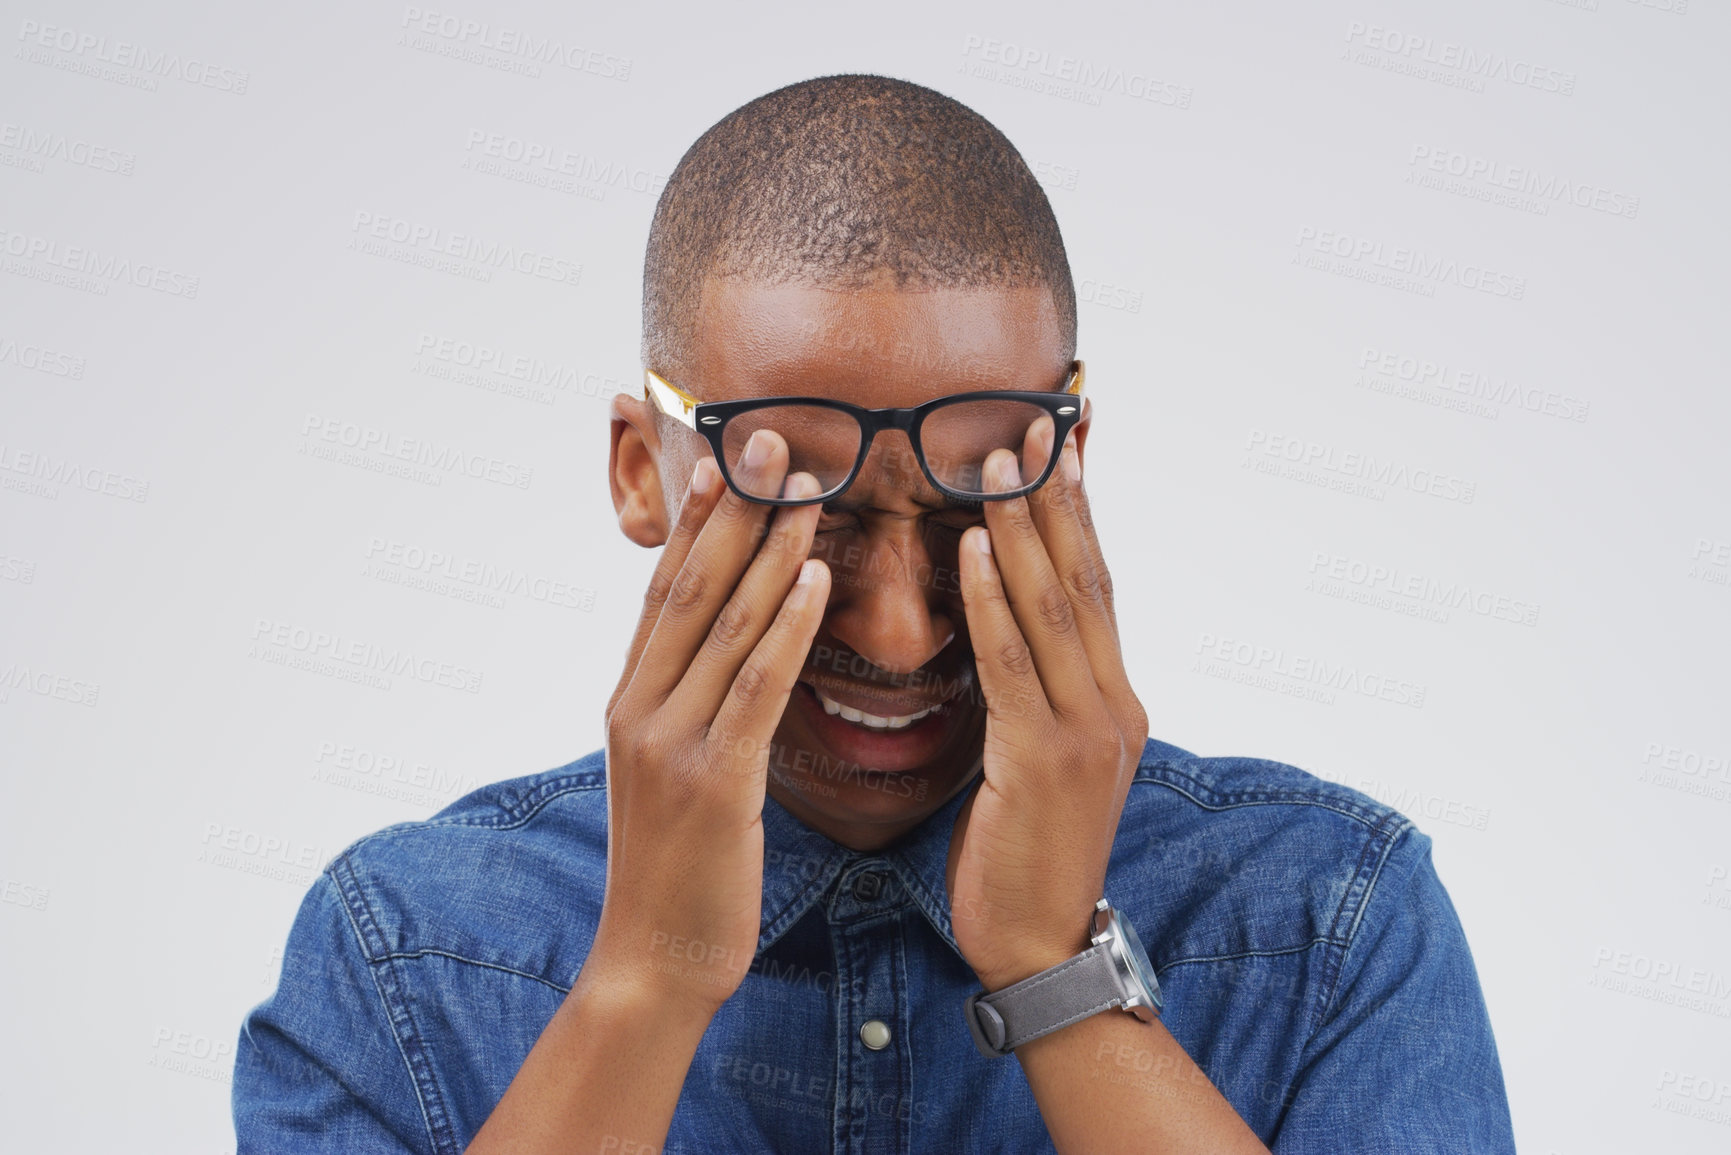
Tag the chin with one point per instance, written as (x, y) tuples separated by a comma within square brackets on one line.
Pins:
[(851, 773)]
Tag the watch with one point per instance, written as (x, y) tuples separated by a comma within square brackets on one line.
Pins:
[(1114, 972)]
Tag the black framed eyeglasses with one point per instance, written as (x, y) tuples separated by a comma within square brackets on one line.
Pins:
[(951, 436)]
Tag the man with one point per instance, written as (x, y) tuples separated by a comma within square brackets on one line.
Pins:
[(874, 752)]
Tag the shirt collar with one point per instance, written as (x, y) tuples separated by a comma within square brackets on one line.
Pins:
[(800, 865)]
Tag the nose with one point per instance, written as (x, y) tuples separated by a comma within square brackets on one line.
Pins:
[(889, 601)]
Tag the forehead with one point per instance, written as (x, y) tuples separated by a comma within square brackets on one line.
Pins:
[(875, 346)]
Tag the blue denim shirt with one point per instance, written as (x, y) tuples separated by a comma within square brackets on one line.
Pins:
[(1310, 959)]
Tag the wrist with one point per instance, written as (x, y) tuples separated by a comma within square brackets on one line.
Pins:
[(652, 985), (607, 999), (1030, 959)]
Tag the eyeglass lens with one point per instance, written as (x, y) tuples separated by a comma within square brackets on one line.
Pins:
[(956, 440)]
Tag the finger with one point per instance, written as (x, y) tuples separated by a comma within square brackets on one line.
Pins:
[(758, 695), (700, 497), (1084, 513), (1060, 512), (1036, 597), (1004, 662), (745, 618), (1036, 447), (712, 567)]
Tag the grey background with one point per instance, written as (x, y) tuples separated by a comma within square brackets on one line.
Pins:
[(170, 786)]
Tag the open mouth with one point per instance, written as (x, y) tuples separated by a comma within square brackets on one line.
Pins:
[(868, 720), (902, 731)]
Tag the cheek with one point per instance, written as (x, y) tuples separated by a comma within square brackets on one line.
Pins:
[(678, 459)]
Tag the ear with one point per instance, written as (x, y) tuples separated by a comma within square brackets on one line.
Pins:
[(634, 472)]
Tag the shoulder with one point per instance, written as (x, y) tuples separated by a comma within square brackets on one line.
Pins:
[(509, 804), (485, 878), (1249, 855), (1224, 784)]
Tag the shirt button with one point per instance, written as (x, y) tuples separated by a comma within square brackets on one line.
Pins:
[(875, 1034), (866, 887)]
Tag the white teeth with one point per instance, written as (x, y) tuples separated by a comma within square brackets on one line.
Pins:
[(870, 721)]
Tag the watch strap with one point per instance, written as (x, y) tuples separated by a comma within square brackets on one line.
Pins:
[(1082, 985)]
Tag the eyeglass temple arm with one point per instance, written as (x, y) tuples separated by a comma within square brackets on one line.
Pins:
[(1077, 372), (670, 399)]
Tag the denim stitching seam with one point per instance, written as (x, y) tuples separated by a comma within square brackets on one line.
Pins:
[(1262, 798), (1274, 952), (390, 982), (518, 813), (372, 973), (433, 1102), (433, 952), (1381, 843)]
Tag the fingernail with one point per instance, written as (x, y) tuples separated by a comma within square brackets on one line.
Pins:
[(983, 540), (756, 449), (1071, 463), (807, 572), (1009, 474), (703, 476)]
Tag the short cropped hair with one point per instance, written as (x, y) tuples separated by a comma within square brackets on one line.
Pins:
[(840, 181)]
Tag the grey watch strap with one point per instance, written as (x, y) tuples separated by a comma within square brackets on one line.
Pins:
[(1083, 985)]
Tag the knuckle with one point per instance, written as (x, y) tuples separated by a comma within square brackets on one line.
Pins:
[(734, 509), (1015, 658), (1084, 514), (642, 745), (732, 624), (687, 590), (1018, 515), (623, 715), (1103, 583), (752, 684), (1136, 723), (740, 749), (726, 518), (660, 584), (1056, 496), (1054, 608), (1085, 582)]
